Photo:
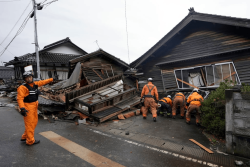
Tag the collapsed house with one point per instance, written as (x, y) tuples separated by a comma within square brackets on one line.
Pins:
[(96, 88), (201, 51), (54, 60)]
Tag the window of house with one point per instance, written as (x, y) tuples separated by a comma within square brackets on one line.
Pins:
[(206, 76)]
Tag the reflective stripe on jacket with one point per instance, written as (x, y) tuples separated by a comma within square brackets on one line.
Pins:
[(23, 91)]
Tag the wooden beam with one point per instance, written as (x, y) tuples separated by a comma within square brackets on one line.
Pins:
[(97, 74), (203, 77), (203, 147), (187, 83), (137, 86)]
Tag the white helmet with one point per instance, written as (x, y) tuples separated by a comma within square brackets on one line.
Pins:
[(169, 96), (150, 79), (195, 90), (27, 73)]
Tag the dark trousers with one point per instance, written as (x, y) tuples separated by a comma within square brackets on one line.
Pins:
[(164, 108)]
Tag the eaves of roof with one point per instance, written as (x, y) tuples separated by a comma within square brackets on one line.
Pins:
[(60, 42), (98, 52), (233, 21)]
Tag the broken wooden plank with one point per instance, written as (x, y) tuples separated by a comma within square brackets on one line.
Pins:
[(203, 147), (97, 74), (203, 76), (187, 83)]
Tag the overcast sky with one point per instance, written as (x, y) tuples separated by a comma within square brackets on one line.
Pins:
[(85, 21)]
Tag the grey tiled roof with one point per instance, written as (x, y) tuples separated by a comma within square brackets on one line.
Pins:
[(45, 57)]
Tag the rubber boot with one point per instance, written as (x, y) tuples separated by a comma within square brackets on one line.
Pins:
[(154, 119), (36, 142), (198, 124), (188, 122)]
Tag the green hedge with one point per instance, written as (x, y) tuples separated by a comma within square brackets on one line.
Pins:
[(213, 110)]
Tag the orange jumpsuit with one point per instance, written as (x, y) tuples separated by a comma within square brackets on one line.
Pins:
[(167, 100), (195, 100), (149, 102), (179, 99), (30, 121)]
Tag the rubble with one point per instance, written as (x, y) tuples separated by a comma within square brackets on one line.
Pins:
[(94, 95)]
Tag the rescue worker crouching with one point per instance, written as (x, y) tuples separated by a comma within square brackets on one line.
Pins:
[(179, 99), (166, 105), (149, 92), (194, 103), (27, 98)]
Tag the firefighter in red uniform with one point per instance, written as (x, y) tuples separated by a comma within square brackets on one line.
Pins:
[(27, 98), (149, 92)]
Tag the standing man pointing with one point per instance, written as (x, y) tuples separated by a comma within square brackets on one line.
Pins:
[(27, 98)]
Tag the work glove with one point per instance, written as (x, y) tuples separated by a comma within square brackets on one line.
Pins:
[(23, 112)]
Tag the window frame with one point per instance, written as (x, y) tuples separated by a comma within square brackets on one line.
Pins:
[(237, 79)]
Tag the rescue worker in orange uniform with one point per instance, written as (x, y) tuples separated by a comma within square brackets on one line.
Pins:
[(149, 92), (194, 103), (181, 100), (27, 98), (166, 104)]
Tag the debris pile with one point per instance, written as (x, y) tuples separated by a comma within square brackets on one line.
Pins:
[(92, 94)]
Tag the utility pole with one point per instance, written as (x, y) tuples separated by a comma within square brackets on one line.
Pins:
[(36, 41)]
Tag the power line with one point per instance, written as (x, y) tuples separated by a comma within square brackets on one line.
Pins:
[(47, 4), (127, 30), (10, 1), (15, 23), (18, 32), (8, 51)]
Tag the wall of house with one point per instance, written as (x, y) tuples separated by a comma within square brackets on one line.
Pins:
[(243, 68), (48, 72), (237, 123), (200, 43), (66, 49)]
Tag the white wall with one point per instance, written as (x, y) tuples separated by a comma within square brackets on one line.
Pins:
[(61, 71), (66, 49)]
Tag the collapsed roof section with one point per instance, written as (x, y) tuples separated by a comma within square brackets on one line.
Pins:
[(100, 60)]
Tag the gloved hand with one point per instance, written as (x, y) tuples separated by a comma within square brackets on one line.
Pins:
[(187, 104), (23, 112)]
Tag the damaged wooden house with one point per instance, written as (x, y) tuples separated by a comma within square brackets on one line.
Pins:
[(201, 51), (54, 60), (96, 88)]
